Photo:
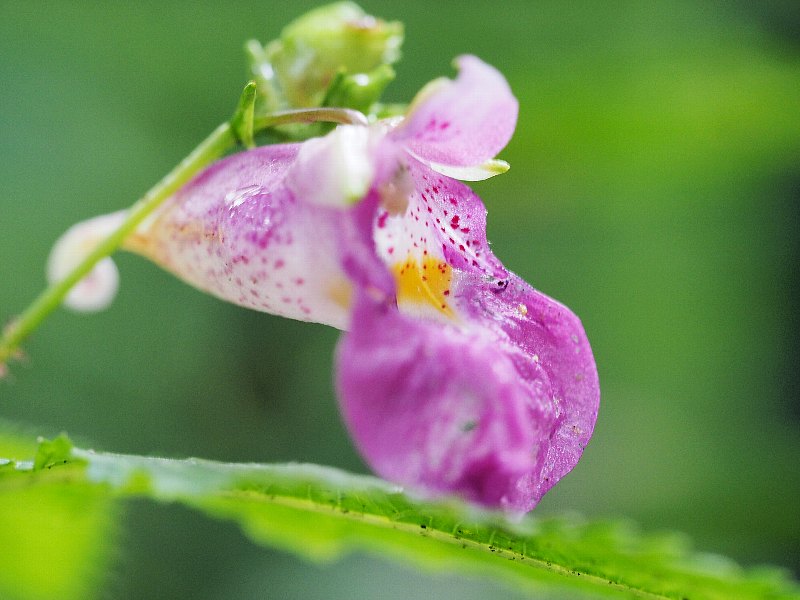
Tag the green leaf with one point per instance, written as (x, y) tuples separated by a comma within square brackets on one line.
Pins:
[(57, 530), (320, 513), (52, 452)]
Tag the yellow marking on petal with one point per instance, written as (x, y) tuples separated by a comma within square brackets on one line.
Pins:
[(427, 283)]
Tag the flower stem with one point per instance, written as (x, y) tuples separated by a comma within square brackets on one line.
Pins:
[(221, 140), (214, 146)]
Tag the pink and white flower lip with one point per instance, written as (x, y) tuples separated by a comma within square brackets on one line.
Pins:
[(454, 376)]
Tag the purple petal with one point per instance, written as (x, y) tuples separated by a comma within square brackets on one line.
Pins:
[(435, 408), (463, 122), (496, 409), (237, 231), (491, 393), (551, 352)]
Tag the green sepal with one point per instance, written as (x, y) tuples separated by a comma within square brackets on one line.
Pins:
[(359, 91), (243, 117)]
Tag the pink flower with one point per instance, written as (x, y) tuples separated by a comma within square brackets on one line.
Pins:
[(454, 376)]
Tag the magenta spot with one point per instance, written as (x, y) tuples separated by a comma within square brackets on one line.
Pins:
[(299, 281), (454, 222), (279, 264), (390, 250), (382, 220)]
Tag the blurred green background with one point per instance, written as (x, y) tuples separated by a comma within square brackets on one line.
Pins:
[(654, 189)]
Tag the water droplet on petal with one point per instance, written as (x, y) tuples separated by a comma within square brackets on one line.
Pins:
[(236, 198)]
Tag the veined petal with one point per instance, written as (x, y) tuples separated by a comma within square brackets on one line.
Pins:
[(464, 122), (441, 234), (238, 232)]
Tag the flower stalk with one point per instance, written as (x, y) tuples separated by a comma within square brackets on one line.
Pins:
[(240, 129)]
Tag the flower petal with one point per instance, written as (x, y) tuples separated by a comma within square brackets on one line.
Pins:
[(445, 220), (436, 408), (238, 232), (496, 411), (552, 354), (464, 122), (334, 170), (492, 392)]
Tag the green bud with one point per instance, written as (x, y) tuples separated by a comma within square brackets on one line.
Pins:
[(359, 91), (335, 53)]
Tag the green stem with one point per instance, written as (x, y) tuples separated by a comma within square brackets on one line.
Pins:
[(221, 140), (311, 115), (214, 146)]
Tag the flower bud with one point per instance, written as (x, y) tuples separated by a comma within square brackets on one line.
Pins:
[(321, 48)]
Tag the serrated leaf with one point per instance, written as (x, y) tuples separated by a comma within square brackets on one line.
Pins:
[(52, 452), (57, 529), (320, 513)]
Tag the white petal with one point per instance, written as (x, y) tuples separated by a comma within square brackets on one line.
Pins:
[(335, 170)]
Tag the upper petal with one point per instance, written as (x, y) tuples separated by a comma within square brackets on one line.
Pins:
[(464, 122)]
